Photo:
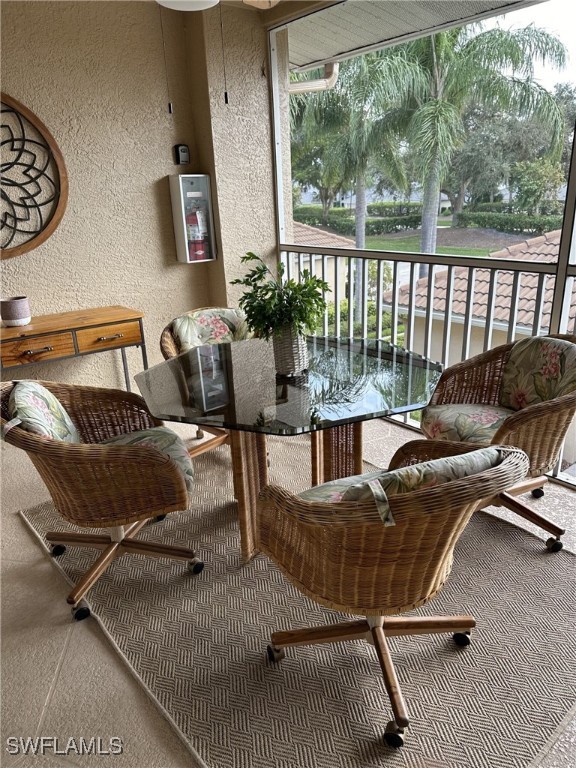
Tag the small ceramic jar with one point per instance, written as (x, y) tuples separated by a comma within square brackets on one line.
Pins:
[(15, 311)]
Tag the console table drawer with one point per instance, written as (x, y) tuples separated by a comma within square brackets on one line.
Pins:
[(63, 335), (49, 347), (108, 336)]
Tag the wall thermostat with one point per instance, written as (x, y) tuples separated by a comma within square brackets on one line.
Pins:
[(181, 154)]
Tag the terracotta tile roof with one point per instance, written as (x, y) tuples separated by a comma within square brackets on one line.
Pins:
[(543, 249), (303, 234)]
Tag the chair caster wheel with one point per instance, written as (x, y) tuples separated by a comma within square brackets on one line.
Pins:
[(393, 735), (554, 545), (461, 638), (58, 550), (537, 493), (274, 654), (195, 566), (80, 613)]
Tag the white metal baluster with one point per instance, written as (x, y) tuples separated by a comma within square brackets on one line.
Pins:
[(513, 318), (379, 279), (409, 331), (489, 327), (337, 299), (448, 316), (539, 305), (468, 314), (394, 308), (324, 276), (365, 263), (429, 312), (351, 278)]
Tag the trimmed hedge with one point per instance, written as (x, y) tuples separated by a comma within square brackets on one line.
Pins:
[(312, 214), (393, 224), (510, 222), (393, 209), (342, 221), (547, 208)]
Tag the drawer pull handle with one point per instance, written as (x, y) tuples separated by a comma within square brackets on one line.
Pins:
[(37, 351), (110, 338)]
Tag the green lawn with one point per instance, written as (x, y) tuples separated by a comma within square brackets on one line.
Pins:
[(411, 243)]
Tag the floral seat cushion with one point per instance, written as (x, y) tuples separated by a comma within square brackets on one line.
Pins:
[(166, 441), (467, 423), (382, 484), (40, 412), (538, 369), (209, 326)]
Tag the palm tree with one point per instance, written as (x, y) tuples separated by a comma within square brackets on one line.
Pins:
[(356, 114), (353, 114), (460, 68)]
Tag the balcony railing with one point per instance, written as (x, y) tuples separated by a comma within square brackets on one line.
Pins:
[(445, 308), (461, 307)]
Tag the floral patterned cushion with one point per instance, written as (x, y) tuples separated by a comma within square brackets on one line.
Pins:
[(538, 369), (467, 423), (39, 411), (209, 326), (164, 440), (381, 485)]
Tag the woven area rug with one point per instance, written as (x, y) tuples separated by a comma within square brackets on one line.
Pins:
[(198, 645)]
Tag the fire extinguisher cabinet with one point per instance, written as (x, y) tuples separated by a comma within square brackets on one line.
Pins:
[(192, 214)]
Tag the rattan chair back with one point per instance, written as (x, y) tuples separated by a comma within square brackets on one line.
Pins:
[(168, 342), (342, 556), (538, 429), (94, 485)]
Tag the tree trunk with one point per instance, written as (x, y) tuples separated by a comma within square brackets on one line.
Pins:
[(326, 198), (430, 202), (458, 203), (360, 245)]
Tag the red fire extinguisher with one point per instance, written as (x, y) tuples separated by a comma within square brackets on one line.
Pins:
[(196, 231)]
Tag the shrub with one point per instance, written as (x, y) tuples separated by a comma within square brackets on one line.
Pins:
[(393, 209), (510, 222)]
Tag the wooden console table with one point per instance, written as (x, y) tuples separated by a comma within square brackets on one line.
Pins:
[(72, 334)]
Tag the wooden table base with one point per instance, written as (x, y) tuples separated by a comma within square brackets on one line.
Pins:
[(335, 453)]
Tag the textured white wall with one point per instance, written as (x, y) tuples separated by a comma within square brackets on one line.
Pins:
[(237, 62), (95, 74)]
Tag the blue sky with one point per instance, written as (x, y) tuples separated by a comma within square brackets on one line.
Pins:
[(553, 16)]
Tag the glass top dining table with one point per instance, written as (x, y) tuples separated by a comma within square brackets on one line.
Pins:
[(235, 386)]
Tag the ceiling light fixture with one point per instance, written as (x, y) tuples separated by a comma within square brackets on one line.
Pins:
[(188, 5), (202, 5)]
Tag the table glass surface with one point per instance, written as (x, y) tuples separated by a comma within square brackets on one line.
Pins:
[(235, 385)]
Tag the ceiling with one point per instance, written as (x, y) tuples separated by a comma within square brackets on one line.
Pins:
[(351, 27)]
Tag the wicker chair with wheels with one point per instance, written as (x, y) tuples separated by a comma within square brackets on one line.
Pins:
[(107, 463), (382, 544), (205, 325), (521, 394)]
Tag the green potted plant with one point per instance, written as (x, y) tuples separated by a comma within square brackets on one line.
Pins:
[(282, 310)]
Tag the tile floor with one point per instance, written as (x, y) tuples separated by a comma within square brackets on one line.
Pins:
[(62, 678)]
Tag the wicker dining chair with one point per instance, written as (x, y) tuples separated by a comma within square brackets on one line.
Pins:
[(113, 486), (205, 325), (522, 394), (342, 555)]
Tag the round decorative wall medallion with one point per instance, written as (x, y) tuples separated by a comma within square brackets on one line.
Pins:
[(34, 182)]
